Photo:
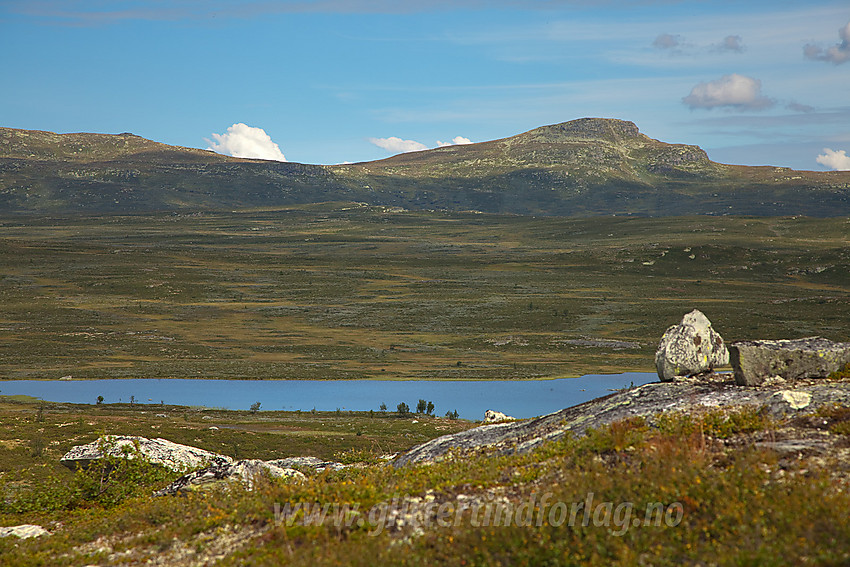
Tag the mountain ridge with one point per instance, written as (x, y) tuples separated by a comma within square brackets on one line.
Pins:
[(587, 166)]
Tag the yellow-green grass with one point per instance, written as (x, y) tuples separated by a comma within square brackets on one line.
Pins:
[(341, 293), (740, 505)]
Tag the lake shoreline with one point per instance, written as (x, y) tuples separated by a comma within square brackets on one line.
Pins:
[(471, 398), (377, 379)]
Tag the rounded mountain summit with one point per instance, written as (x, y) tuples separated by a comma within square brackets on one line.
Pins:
[(589, 166)]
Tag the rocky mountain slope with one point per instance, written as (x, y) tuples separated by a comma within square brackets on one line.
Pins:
[(588, 166)]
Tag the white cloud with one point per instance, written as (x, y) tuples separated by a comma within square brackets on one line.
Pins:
[(731, 91), (245, 141), (667, 41), (837, 160), (397, 145), (732, 43), (676, 44), (456, 141), (837, 54), (800, 107)]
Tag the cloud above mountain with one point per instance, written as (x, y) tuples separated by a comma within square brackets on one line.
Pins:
[(733, 92), (245, 141), (456, 141), (837, 160), (397, 145)]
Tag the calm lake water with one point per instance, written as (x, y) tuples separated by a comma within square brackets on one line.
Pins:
[(470, 398)]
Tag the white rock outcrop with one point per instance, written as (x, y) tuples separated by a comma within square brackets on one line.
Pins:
[(690, 348), (162, 452), (493, 416), (23, 531)]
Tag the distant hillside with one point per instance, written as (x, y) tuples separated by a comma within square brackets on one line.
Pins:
[(589, 166)]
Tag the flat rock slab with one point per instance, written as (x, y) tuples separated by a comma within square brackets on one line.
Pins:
[(244, 472), (649, 400), (314, 463), (814, 357), (168, 454)]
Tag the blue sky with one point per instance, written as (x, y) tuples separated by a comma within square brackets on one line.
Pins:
[(328, 81)]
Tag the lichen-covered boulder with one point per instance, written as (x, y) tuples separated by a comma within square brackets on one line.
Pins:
[(163, 452), (690, 348), (791, 359)]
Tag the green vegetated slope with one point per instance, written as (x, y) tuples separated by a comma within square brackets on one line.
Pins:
[(42, 172), (597, 166), (584, 167), (714, 487), (339, 292)]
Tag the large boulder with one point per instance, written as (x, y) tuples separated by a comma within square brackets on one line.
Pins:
[(244, 472), (168, 454), (690, 348), (813, 357)]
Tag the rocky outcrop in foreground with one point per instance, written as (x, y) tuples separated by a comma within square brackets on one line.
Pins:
[(812, 357), (245, 472), (313, 463), (714, 391), (206, 467)]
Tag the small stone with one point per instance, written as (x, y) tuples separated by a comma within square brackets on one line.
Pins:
[(690, 348), (797, 400)]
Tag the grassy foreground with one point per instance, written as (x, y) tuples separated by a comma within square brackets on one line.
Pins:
[(341, 292), (692, 490)]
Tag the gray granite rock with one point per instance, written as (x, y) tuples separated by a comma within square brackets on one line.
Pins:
[(162, 452), (649, 400), (308, 463), (690, 348), (245, 472), (814, 357)]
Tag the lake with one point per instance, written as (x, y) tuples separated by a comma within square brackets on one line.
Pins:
[(470, 398)]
